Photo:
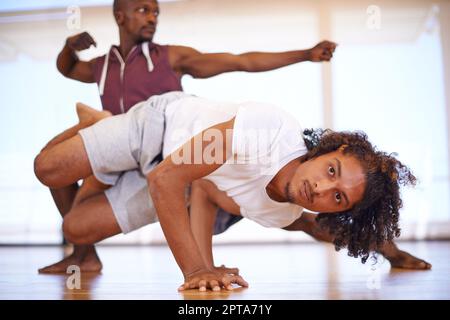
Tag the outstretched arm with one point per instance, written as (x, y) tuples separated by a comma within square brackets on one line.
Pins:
[(167, 184), (398, 258), (185, 60)]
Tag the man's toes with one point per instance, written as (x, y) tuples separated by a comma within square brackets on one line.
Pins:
[(61, 266), (86, 114), (84, 108), (54, 268), (43, 270)]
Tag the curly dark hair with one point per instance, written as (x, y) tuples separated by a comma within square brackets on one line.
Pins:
[(374, 220)]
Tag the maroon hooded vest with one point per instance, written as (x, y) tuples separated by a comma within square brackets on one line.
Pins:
[(145, 72)]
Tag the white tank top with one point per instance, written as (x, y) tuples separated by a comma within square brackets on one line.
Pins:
[(265, 138)]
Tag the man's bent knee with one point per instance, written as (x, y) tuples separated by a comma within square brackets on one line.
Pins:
[(62, 164), (45, 170), (74, 234)]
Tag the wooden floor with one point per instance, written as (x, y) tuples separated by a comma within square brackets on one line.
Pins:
[(281, 271)]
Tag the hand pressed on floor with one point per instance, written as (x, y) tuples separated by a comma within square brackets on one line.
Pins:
[(207, 279)]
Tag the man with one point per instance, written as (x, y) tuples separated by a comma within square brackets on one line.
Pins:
[(139, 68), (268, 178)]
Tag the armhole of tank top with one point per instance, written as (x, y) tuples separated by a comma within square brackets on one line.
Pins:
[(165, 49), (98, 67)]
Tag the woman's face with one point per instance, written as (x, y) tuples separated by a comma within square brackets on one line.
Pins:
[(332, 182)]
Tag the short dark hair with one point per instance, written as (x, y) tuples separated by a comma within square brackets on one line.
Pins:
[(374, 220), (118, 5)]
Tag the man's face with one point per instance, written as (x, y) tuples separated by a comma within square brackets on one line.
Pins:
[(329, 183), (139, 19)]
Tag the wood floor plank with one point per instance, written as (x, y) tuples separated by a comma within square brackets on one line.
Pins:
[(279, 271)]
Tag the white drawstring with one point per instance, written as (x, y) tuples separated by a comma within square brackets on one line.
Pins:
[(101, 87), (146, 51), (119, 57)]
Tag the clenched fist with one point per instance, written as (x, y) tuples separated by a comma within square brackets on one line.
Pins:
[(323, 51), (81, 41)]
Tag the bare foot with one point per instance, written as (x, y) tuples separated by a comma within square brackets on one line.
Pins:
[(88, 115), (404, 260), (61, 266), (89, 262)]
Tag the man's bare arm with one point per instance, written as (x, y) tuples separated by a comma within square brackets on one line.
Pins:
[(187, 60), (68, 62), (202, 214), (167, 184), (398, 258)]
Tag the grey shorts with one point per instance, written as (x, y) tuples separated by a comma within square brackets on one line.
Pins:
[(133, 206), (116, 152), (122, 150), (128, 141), (131, 202)]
